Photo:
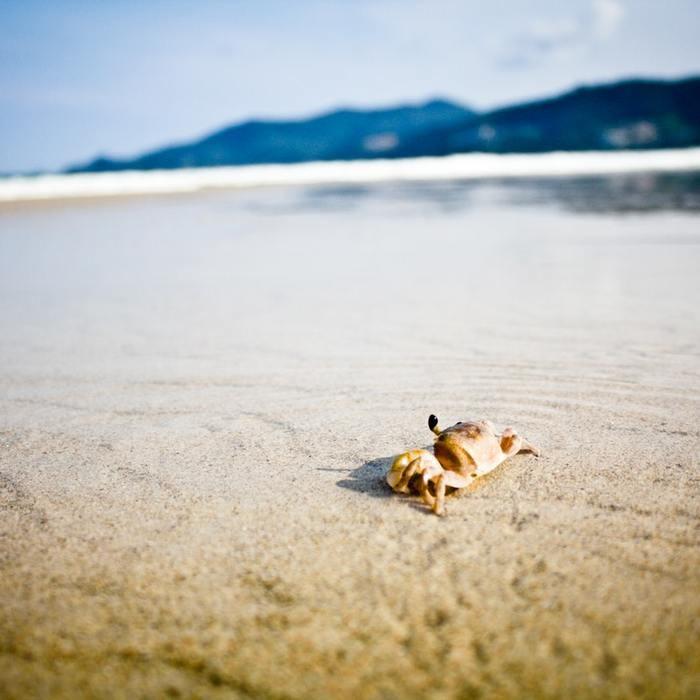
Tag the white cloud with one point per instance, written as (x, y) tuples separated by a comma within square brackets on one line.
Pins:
[(561, 38), (607, 15)]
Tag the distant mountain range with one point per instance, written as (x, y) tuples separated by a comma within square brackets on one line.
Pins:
[(630, 114)]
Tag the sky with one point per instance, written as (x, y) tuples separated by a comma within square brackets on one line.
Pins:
[(119, 77)]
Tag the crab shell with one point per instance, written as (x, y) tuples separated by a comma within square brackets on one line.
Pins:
[(469, 447)]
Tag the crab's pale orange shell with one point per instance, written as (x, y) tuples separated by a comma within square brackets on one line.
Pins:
[(469, 445)]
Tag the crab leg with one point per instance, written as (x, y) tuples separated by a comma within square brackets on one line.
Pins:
[(440, 486), (512, 443), (425, 494), (408, 473), (527, 446), (452, 479)]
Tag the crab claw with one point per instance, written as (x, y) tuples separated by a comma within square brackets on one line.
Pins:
[(407, 465)]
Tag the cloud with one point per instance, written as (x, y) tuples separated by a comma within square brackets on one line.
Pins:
[(607, 15), (560, 38)]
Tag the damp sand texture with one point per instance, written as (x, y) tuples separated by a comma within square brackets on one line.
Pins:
[(200, 396)]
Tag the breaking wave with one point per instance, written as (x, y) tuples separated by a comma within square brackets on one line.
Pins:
[(456, 167)]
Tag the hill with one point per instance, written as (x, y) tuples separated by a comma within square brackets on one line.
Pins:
[(346, 134), (623, 115)]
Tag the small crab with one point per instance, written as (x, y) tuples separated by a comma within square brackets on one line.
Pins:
[(461, 453)]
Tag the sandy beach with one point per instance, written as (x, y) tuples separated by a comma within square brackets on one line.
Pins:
[(200, 396)]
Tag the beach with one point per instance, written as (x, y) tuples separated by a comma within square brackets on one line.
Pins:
[(200, 395)]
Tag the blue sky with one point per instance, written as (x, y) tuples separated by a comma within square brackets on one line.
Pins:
[(118, 77)]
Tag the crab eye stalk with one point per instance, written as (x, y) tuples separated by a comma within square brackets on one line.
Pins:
[(433, 424)]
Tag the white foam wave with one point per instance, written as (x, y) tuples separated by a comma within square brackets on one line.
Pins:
[(462, 166)]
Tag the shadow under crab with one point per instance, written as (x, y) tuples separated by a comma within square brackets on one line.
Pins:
[(369, 478)]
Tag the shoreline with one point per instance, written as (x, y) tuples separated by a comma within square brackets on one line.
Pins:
[(472, 166)]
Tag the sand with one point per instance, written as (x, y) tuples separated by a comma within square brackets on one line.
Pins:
[(199, 398)]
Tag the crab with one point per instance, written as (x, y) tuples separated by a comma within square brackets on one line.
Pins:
[(461, 453)]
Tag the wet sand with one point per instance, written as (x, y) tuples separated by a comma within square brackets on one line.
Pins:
[(199, 398)]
